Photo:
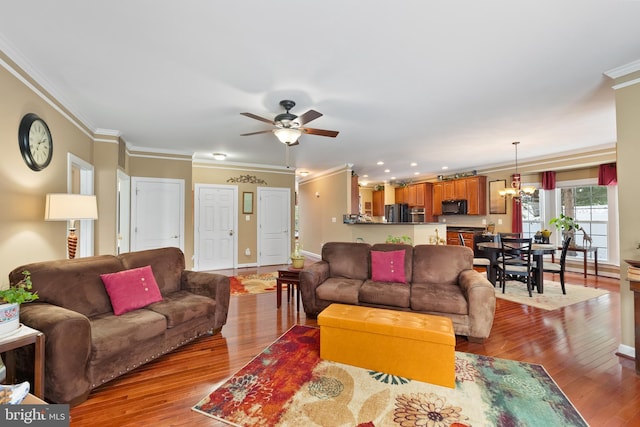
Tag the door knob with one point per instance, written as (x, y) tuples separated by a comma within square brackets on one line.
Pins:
[(230, 232)]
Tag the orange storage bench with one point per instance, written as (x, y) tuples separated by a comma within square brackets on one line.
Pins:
[(411, 345)]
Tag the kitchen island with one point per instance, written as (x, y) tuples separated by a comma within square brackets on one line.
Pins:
[(420, 233)]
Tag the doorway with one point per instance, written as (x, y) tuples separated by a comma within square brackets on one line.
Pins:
[(274, 225), (80, 181), (215, 226)]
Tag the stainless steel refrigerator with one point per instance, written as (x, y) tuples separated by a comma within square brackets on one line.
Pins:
[(398, 212)]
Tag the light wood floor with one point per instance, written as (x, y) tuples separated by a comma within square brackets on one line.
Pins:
[(576, 345)]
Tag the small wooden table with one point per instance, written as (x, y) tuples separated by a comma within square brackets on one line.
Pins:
[(584, 251), (25, 336), (291, 277)]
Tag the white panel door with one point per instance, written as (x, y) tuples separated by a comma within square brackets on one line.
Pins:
[(215, 225), (157, 213), (274, 222)]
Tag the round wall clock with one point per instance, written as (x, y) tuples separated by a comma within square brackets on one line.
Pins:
[(35, 142)]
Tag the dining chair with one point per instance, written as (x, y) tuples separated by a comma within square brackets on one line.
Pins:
[(477, 262), (551, 267), (509, 236), (516, 262)]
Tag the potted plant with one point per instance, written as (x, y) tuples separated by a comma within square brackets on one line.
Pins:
[(297, 259), (568, 226), (405, 240), (10, 300)]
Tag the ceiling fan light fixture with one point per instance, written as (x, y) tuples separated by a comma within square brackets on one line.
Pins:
[(219, 156), (287, 135)]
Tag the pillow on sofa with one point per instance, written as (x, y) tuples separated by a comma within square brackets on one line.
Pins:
[(131, 289), (388, 266)]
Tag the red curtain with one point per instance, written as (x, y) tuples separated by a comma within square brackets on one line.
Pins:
[(607, 174), (549, 180)]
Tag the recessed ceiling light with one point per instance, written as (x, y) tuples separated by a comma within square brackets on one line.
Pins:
[(380, 163), (304, 173), (444, 168), (393, 177), (387, 170), (365, 176), (219, 156), (414, 164), (364, 183), (416, 173)]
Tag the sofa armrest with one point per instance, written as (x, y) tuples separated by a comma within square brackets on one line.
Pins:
[(310, 278), (212, 285), (67, 349), (481, 298)]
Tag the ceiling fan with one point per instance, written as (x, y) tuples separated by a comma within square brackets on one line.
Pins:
[(289, 127)]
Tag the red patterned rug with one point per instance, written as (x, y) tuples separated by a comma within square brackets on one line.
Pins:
[(245, 284), (289, 385)]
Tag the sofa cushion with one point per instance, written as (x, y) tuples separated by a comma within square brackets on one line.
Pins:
[(408, 256), (385, 293), (440, 264), (438, 298), (131, 289), (72, 283), (111, 335), (167, 265), (387, 266), (182, 306), (347, 259), (339, 289)]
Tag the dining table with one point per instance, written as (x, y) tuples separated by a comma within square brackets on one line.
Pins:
[(538, 250)]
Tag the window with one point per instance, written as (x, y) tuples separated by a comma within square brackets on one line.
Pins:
[(532, 220), (589, 207)]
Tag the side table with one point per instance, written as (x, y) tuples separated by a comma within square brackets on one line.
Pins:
[(25, 336), (291, 277)]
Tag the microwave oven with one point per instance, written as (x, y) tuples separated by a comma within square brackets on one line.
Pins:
[(454, 207)]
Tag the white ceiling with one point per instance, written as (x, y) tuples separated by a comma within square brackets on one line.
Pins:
[(433, 82)]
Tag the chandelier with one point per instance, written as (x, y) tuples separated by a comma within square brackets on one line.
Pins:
[(517, 192)]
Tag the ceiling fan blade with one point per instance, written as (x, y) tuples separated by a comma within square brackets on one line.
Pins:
[(256, 133), (308, 116), (321, 132), (262, 119)]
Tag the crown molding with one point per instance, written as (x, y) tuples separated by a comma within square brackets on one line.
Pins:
[(623, 70)]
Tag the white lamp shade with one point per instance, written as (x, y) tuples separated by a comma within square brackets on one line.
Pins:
[(287, 135), (64, 207)]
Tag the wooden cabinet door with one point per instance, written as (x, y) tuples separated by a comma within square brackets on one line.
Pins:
[(420, 190), (476, 195), (459, 189), (411, 195), (378, 203), (400, 195), (436, 200), (448, 190), (427, 194)]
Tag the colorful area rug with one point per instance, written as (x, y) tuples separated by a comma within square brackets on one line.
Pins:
[(245, 284), (552, 298), (289, 385)]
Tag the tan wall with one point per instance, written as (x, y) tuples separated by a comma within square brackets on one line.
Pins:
[(317, 213), (24, 235), (628, 128), (247, 230), (149, 166), (105, 167)]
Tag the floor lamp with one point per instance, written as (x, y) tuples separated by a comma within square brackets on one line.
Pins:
[(70, 207)]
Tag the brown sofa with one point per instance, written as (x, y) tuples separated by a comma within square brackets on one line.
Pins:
[(86, 345), (440, 280)]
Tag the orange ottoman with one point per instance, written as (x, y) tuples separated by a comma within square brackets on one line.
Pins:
[(411, 345)]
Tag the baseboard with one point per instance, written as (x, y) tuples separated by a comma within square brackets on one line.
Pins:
[(626, 351), (251, 264)]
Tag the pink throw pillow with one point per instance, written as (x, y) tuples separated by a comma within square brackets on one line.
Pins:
[(131, 289), (388, 266)]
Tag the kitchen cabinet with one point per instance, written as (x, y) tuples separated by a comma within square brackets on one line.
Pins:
[(378, 202), (402, 195), (421, 194), (476, 189), (437, 197), (411, 195), (472, 189)]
